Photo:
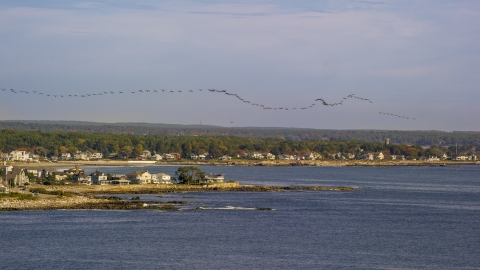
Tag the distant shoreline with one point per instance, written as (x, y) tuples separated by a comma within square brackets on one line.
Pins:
[(266, 163)]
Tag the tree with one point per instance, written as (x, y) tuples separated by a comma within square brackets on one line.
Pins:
[(189, 174)]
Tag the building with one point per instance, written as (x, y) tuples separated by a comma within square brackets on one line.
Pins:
[(139, 177), (120, 179), (19, 155), (214, 178), (99, 178), (16, 177), (161, 178), (82, 178)]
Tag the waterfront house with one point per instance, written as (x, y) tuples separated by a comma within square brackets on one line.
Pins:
[(397, 157), (157, 157), (73, 171), (16, 177), (100, 178), (309, 156), (214, 178), (378, 155), (19, 155), (368, 156), (256, 155), (65, 156), (79, 155), (120, 179), (168, 156), (225, 158), (96, 156), (268, 155), (139, 177), (161, 178), (82, 178)]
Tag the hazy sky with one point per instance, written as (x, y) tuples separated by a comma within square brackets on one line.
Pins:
[(418, 59)]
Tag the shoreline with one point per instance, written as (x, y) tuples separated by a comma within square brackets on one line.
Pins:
[(269, 163), (82, 197)]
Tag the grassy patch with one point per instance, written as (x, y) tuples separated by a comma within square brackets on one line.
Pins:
[(19, 196), (51, 192)]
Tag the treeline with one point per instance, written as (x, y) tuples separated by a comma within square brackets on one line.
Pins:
[(294, 134), (47, 144)]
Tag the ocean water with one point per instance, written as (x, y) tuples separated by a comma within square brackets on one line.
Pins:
[(398, 218)]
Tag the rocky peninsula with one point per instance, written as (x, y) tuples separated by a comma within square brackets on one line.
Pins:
[(88, 197)]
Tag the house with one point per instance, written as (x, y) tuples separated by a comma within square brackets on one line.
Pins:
[(285, 157), (19, 155), (460, 157), (99, 178), (215, 178), (168, 156), (59, 176), (3, 156), (120, 179), (65, 156), (268, 155), (157, 157), (139, 177), (309, 156), (16, 177), (146, 154), (73, 171), (46, 172), (256, 155), (199, 157), (161, 178), (379, 155), (37, 173), (397, 157), (82, 178), (225, 158), (429, 158), (96, 156), (368, 156), (79, 155)]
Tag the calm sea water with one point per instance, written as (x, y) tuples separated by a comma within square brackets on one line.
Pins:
[(399, 218)]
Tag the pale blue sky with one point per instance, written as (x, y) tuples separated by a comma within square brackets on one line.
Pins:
[(418, 59)]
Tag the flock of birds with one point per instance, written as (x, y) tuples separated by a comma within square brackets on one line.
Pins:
[(262, 106), (396, 115)]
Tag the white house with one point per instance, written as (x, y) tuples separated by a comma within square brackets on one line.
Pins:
[(225, 158), (139, 177), (379, 155), (65, 156), (96, 156), (256, 155), (215, 178), (19, 155), (146, 154), (161, 178), (157, 157)]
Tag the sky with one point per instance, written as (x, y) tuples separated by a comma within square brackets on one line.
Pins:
[(415, 62)]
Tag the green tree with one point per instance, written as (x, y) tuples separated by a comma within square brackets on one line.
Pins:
[(189, 175)]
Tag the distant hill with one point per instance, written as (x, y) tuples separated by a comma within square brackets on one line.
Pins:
[(396, 136)]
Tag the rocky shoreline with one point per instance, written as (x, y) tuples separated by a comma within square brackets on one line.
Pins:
[(81, 197)]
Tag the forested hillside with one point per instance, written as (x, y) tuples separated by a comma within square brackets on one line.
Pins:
[(295, 134), (47, 144)]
